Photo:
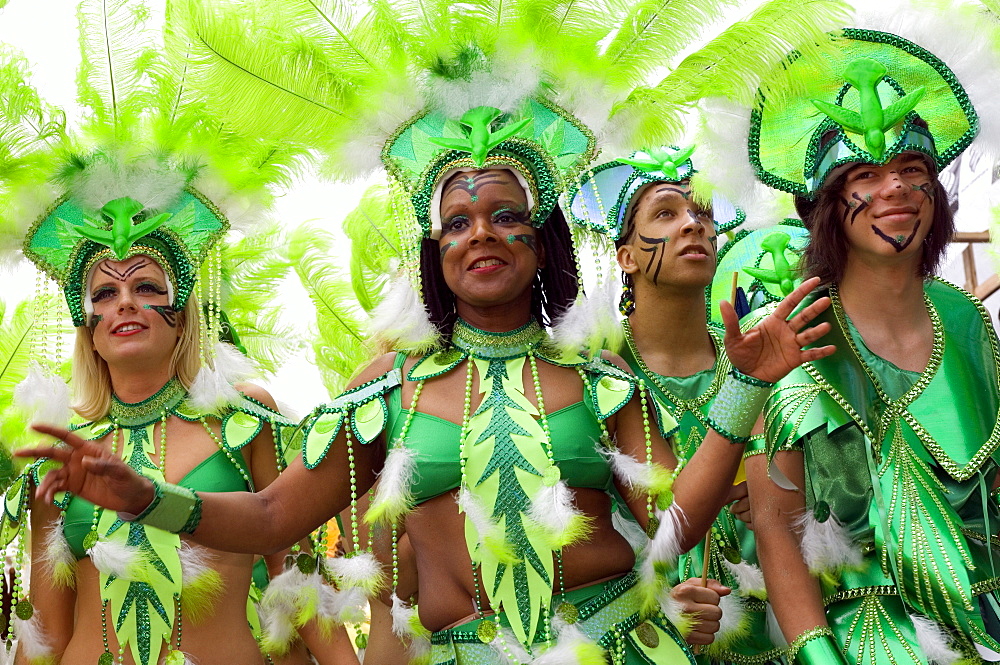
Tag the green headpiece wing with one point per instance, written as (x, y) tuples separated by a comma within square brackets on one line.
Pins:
[(540, 140), (859, 102), (69, 240)]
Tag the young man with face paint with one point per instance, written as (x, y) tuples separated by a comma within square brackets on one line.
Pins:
[(872, 514), (666, 240)]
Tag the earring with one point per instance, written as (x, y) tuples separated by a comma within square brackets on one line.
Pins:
[(626, 304)]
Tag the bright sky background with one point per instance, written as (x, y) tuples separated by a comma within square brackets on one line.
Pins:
[(45, 31)]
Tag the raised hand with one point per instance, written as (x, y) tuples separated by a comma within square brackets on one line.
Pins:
[(773, 347), (90, 472)]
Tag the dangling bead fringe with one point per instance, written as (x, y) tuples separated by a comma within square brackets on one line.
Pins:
[(202, 584), (362, 571), (552, 509), (58, 556), (393, 498), (43, 397), (572, 647), (639, 477), (933, 641), (32, 641), (402, 320), (749, 578), (406, 626), (491, 535), (120, 560), (734, 625), (591, 323), (826, 546), (213, 389)]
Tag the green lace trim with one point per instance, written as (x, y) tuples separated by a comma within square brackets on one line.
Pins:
[(149, 410), (487, 345)]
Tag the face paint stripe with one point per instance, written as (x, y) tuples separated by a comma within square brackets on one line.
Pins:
[(675, 190), (168, 313), (94, 320), (447, 246)]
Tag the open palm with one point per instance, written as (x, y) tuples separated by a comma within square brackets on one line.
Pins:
[(774, 347)]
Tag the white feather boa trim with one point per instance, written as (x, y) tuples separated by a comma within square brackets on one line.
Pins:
[(119, 559), (213, 389), (826, 546), (749, 578), (43, 397), (57, 555), (406, 626), (33, 645), (591, 323), (933, 640), (393, 496), (401, 318), (362, 571)]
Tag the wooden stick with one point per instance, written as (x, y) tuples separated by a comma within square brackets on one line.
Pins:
[(732, 291), (704, 569)]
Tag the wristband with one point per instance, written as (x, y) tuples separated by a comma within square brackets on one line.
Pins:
[(815, 647), (174, 508), (738, 405)]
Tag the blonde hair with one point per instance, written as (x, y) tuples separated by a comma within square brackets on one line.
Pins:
[(91, 379)]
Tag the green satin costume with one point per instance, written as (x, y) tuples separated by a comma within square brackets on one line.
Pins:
[(688, 399), (905, 461)]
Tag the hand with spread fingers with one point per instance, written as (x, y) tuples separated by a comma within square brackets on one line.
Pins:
[(774, 347), (89, 471)]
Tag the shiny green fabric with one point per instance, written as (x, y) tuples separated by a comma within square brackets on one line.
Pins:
[(608, 615), (926, 447), (729, 535)]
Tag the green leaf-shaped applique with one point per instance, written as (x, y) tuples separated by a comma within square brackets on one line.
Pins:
[(610, 394), (14, 498), (239, 429), (665, 161), (665, 420), (322, 431), (369, 420), (8, 529), (435, 364), (562, 357)]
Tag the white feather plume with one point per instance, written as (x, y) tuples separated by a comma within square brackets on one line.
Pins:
[(749, 578), (57, 555), (43, 396), (504, 84), (934, 641), (344, 606), (246, 209), (553, 510), (361, 570), (194, 562), (591, 322), (403, 618), (673, 609), (276, 625), (393, 496), (118, 559), (734, 621), (32, 642), (666, 544), (282, 606), (213, 386), (826, 546), (635, 475), (152, 183), (570, 641), (962, 40), (507, 648), (401, 318), (630, 530)]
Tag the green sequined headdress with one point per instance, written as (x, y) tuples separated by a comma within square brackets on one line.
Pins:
[(604, 196), (865, 100), (69, 240), (538, 140)]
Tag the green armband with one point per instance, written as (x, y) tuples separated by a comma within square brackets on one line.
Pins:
[(174, 508), (815, 647), (738, 405)]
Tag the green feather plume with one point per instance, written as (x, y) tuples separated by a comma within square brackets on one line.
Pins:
[(339, 346), (375, 244), (253, 270), (116, 47)]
